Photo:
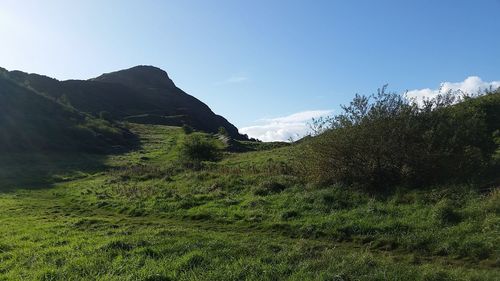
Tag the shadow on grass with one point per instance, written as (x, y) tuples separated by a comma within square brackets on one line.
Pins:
[(37, 170)]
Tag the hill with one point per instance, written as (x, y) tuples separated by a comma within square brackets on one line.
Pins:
[(141, 94), (31, 121), (188, 206)]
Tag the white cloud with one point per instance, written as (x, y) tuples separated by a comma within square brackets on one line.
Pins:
[(471, 85), (283, 128)]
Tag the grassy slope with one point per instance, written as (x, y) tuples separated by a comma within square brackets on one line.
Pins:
[(141, 94), (138, 216), (31, 121)]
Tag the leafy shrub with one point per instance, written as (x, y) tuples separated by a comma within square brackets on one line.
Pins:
[(197, 148), (385, 140), (368, 143)]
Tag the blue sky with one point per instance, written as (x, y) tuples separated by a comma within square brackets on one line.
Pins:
[(269, 65)]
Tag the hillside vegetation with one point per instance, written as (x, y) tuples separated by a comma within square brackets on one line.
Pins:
[(141, 94), (146, 216), (30, 121), (387, 191), (386, 140)]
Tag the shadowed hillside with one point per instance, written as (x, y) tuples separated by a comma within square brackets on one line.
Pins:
[(142, 94), (31, 121)]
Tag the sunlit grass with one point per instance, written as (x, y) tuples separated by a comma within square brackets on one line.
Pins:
[(142, 216)]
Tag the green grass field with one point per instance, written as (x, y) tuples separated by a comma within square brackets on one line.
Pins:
[(141, 216)]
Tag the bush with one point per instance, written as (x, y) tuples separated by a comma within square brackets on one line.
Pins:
[(372, 143), (197, 148), (384, 140)]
